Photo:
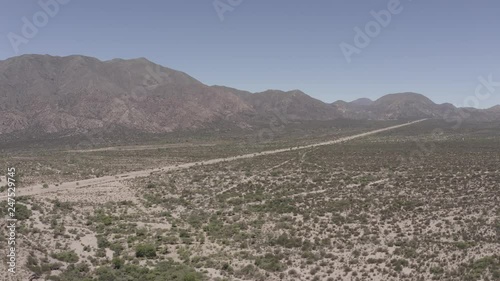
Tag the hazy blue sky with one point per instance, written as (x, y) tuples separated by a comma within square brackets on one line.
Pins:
[(437, 48)]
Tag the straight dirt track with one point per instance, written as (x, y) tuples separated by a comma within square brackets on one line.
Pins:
[(67, 186)]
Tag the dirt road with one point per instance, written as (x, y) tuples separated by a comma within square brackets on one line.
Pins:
[(67, 186)]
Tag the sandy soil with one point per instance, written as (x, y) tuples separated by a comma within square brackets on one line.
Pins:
[(68, 186)]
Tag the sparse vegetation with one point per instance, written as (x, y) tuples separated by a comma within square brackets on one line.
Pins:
[(368, 209)]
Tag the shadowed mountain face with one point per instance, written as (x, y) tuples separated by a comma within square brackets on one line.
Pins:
[(53, 94), (42, 94)]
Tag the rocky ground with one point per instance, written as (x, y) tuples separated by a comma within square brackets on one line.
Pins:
[(416, 203)]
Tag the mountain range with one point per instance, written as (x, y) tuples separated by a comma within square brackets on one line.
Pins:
[(42, 94)]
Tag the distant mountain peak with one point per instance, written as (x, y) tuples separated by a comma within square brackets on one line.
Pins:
[(406, 96), (53, 94), (362, 102)]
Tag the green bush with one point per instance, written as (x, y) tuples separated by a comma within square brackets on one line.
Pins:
[(66, 256), (145, 250), (117, 263), (102, 242), (269, 262), (22, 212)]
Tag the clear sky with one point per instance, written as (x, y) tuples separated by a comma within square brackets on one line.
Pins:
[(437, 48)]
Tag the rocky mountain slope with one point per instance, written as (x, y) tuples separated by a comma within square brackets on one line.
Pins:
[(43, 94), (53, 94)]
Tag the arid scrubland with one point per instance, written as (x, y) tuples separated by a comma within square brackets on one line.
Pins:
[(410, 204)]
